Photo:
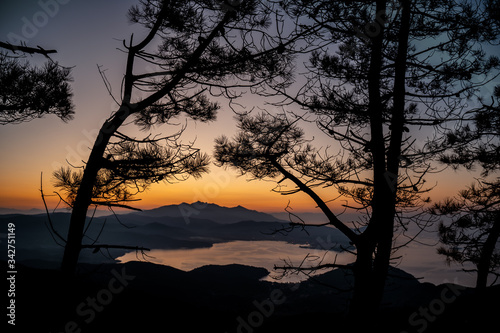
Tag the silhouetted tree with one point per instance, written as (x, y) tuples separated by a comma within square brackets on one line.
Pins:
[(28, 92), (479, 143), (192, 49), (473, 235), (379, 72)]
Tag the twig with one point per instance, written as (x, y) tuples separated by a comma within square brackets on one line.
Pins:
[(52, 230), (107, 84), (119, 221)]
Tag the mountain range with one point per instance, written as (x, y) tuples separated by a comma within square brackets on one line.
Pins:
[(184, 226), (212, 298), (208, 211), (214, 212)]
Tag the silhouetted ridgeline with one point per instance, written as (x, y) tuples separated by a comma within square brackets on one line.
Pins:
[(204, 210), (144, 297), (168, 227)]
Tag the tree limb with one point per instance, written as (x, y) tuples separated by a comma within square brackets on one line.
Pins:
[(27, 49), (97, 247), (321, 204)]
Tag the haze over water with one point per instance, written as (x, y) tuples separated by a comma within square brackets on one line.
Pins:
[(264, 254), (419, 260)]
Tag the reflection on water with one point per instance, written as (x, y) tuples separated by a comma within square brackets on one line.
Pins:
[(416, 259), (265, 254)]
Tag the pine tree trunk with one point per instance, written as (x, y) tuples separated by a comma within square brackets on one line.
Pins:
[(363, 307), (85, 192), (365, 301), (483, 267)]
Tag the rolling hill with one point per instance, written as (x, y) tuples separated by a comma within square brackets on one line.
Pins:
[(166, 227)]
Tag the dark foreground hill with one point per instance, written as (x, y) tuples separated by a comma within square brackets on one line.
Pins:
[(144, 297)]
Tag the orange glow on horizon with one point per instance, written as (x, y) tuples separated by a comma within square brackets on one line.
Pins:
[(218, 188), (221, 187)]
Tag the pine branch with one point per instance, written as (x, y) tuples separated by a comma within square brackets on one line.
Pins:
[(27, 49)]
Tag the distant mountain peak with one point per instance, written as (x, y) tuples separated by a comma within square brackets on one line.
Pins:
[(209, 211)]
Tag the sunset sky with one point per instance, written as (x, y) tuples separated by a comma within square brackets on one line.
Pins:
[(87, 34)]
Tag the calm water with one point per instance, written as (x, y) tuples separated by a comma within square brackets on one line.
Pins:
[(421, 261), (265, 254)]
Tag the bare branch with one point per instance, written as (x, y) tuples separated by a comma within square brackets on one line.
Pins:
[(50, 227), (26, 49), (97, 247)]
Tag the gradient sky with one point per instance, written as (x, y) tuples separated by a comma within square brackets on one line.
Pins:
[(87, 34)]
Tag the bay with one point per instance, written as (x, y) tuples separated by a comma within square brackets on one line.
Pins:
[(264, 254)]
